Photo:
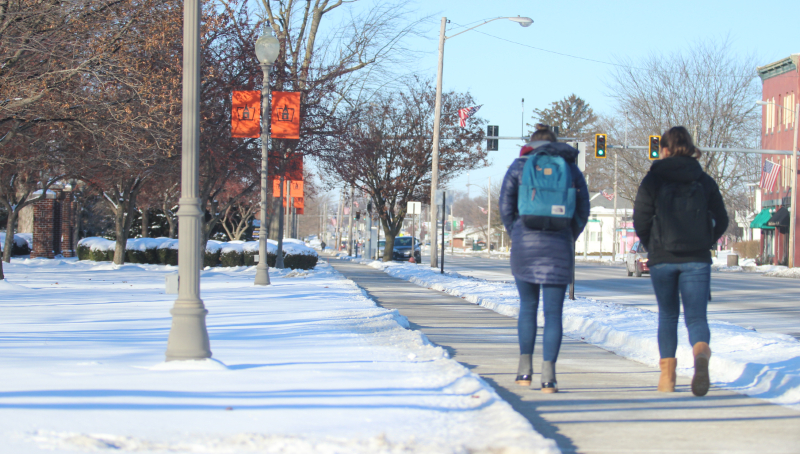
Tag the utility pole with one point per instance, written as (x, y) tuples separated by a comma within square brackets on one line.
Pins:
[(337, 234), (522, 120), (452, 228), (793, 218), (615, 234), (489, 225), (323, 217), (350, 228), (289, 211)]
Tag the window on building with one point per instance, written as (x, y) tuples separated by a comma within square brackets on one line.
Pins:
[(770, 115)]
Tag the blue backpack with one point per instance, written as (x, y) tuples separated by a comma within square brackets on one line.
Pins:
[(546, 199)]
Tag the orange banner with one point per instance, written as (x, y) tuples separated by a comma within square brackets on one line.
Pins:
[(292, 170), (297, 202), (285, 120), (246, 114), (296, 187)]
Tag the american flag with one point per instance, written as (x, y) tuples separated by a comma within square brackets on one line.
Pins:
[(608, 196), (465, 113), (769, 175), (483, 210)]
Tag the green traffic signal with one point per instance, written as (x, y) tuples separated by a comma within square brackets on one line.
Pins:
[(655, 148), (600, 145)]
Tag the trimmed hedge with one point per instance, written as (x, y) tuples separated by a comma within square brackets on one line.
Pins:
[(167, 256)]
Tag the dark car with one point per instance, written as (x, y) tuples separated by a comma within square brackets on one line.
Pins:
[(636, 260), (402, 249)]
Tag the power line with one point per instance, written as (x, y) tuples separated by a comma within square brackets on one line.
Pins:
[(618, 65)]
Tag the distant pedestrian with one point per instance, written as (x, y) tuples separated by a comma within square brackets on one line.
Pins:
[(544, 205), (679, 215)]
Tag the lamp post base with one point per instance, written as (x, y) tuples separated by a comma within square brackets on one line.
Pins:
[(262, 272), (188, 337)]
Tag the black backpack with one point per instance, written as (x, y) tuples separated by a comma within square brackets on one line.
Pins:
[(683, 222)]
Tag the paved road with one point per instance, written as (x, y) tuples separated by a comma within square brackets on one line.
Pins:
[(607, 404), (768, 304)]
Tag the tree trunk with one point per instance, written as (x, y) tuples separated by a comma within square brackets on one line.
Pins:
[(173, 226), (122, 238), (25, 220), (145, 222), (9, 243), (2, 276)]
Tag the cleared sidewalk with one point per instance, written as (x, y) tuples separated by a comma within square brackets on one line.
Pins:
[(606, 403)]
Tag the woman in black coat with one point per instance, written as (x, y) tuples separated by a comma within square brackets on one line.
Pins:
[(679, 215), (541, 258)]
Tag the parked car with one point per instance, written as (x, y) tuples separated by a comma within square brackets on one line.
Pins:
[(636, 260), (381, 245), (402, 249)]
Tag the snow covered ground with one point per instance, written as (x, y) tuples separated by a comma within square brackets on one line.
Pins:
[(306, 365), (762, 365)]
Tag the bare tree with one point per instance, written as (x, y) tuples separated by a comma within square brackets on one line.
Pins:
[(707, 89), (387, 151)]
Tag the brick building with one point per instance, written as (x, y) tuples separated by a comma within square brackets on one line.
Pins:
[(781, 92)]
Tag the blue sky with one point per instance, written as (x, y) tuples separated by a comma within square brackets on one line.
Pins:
[(500, 73)]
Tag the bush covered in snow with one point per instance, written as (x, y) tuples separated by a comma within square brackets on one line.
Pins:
[(20, 246), (296, 255)]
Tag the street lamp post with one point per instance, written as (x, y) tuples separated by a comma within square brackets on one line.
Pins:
[(188, 336), (523, 21), (793, 217), (267, 49)]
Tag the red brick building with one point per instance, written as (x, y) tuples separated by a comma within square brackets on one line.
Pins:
[(781, 90)]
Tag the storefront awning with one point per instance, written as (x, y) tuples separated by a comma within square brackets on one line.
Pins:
[(760, 221), (780, 218)]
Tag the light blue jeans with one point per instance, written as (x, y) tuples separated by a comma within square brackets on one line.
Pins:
[(691, 283)]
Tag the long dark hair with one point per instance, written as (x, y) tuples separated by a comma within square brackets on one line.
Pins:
[(679, 143), (543, 132)]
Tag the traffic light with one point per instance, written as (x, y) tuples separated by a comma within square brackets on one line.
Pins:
[(358, 215), (492, 131), (655, 148), (600, 146)]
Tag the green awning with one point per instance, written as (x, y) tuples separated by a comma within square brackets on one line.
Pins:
[(760, 221)]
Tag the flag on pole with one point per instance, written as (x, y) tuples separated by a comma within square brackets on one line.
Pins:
[(769, 175), (608, 196), (483, 210), (465, 113)]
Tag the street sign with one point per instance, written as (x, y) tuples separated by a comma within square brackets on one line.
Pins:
[(414, 208)]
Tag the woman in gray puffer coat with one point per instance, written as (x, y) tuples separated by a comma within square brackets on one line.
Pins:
[(541, 258)]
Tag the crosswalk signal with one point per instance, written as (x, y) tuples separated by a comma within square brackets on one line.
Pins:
[(492, 131), (655, 148), (600, 146)]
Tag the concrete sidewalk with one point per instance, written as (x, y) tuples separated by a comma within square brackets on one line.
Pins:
[(606, 403)]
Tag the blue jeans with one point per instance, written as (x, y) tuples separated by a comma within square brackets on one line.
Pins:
[(692, 281), (526, 324)]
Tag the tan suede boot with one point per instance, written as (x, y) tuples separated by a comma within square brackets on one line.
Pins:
[(666, 383), (701, 381)]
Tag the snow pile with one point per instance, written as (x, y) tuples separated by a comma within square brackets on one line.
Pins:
[(310, 365), (290, 245), (20, 240), (758, 364), (782, 271)]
